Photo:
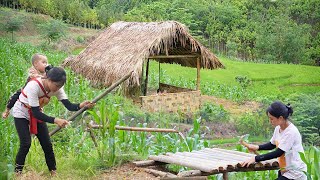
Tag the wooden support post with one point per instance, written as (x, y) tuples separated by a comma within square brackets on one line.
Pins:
[(159, 77), (198, 74), (225, 176), (146, 80), (93, 137), (159, 173)]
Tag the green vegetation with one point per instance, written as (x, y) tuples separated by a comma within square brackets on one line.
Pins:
[(311, 158), (214, 113), (267, 33), (12, 23), (53, 30), (273, 31)]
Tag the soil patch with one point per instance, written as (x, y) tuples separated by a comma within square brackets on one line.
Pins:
[(234, 108), (126, 171)]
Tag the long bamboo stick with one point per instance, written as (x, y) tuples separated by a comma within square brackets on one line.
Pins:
[(107, 91), (126, 128)]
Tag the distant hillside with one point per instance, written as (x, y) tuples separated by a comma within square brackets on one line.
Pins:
[(76, 37)]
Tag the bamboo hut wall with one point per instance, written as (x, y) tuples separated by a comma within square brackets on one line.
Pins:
[(172, 102)]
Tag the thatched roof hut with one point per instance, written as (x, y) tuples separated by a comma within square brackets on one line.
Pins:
[(125, 46)]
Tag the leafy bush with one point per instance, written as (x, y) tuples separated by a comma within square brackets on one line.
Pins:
[(244, 81), (256, 124), (306, 116), (12, 24), (80, 39), (53, 30), (213, 112)]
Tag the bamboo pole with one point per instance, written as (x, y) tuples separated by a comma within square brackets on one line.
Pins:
[(125, 128), (227, 160), (146, 80), (235, 156), (189, 173), (159, 76), (173, 56), (218, 157), (146, 129), (184, 162), (159, 173), (93, 137), (235, 159), (148, 163), (234, 152), (198, 74), (210, 164), (107, 91)]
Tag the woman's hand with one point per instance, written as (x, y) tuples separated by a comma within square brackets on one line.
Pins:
[(6, 113), (61, 122), (248, 162), (88, 104), (252, 147)]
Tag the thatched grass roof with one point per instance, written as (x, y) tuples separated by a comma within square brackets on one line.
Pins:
[(124, 46)]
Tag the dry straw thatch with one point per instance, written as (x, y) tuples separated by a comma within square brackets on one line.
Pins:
[(125, 46)]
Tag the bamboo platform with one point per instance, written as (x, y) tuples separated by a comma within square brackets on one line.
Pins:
[(209, 161)]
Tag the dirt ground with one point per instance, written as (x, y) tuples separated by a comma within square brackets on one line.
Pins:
[(127, 171)]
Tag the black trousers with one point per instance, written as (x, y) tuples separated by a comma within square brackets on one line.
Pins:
[(22, 127), (280, 177)]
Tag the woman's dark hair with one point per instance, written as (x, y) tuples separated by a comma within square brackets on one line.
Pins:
[(57, 75), (278, 109), (47, 68)]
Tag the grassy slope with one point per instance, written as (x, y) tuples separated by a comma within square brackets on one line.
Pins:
[(267, 79), (31, 33)]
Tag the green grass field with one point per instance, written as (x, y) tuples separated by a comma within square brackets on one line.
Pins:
[(271, 80)]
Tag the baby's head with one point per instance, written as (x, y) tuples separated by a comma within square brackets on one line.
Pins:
[(40, 62)]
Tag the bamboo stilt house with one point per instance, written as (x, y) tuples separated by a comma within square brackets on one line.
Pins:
[(128, 46)]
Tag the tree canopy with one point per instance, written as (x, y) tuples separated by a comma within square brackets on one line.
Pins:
[(267, 30)]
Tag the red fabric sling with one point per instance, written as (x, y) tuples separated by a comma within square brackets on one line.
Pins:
[(33, 120)]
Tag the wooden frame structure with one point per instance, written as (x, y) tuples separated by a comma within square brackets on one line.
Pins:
[(169, 107), (196, 57), (206, 162)]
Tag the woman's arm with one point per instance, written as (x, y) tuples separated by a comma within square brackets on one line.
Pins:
[(41, 116), (70, 106), (274, 154), (267, 146)]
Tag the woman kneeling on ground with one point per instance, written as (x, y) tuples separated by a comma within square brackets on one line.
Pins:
[(286, 141), (29, 118)]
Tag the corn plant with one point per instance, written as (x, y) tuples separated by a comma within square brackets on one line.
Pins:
[(313, 164)]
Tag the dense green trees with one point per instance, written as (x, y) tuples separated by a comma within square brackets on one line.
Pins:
[(268, 30)]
